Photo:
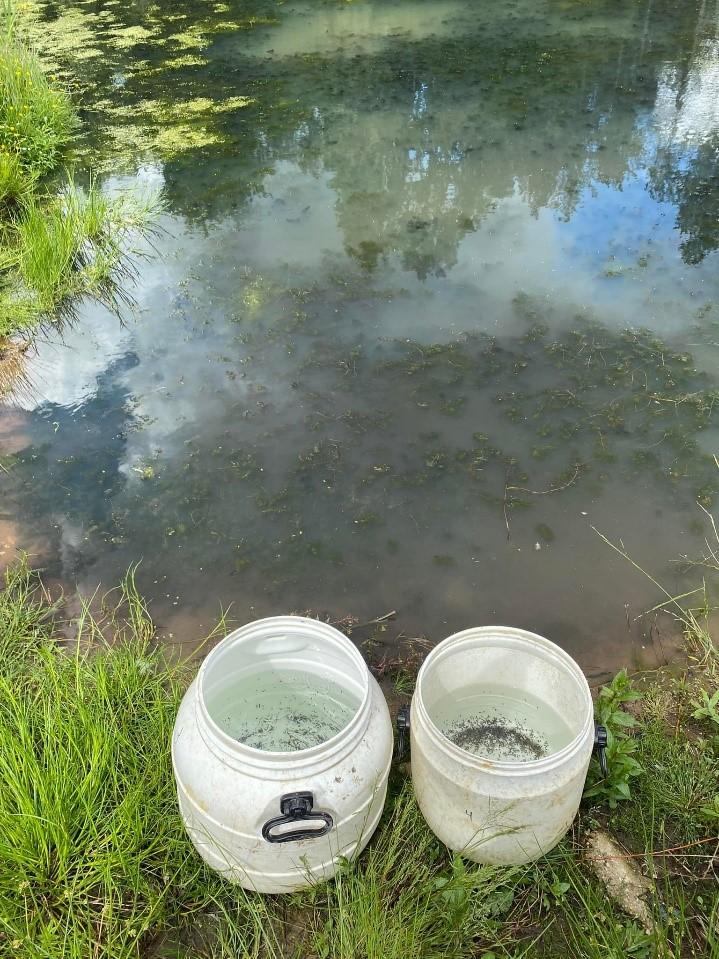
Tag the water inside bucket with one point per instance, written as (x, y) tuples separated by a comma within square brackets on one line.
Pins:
[(283, 710), (498, 723)]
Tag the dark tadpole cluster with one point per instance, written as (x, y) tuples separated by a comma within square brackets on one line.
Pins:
[(302, 728), (496, 737)]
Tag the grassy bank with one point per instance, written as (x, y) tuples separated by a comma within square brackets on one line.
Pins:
[(58, 241), (94, 860)]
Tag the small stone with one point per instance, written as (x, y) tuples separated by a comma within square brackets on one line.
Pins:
[(620, 876)]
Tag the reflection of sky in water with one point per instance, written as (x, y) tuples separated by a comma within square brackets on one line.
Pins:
[(589, 262), (268, 429), (687, 108)]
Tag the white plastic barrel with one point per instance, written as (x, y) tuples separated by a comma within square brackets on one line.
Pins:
[(275, 820), (501, 735)]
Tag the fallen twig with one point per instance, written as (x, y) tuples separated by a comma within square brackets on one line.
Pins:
[(552, 489), (379, 619), (504, 502)]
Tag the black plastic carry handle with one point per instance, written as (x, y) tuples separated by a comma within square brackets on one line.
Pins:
[(297, 808), (600, 744), (403, 714)]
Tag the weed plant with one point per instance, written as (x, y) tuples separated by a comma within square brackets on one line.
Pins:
[(621, 760), (64, 247)]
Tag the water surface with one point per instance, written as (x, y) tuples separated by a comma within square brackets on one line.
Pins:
[(436, 294)]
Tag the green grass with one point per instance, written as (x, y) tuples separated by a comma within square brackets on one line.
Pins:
[(407, 897), (91, 849), (63, 247), (37, 118), (26, 613), (94, 860), (16, 185), (681, 779), (58, 242)]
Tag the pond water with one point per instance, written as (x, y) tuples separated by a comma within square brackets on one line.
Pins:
[(435, 299)]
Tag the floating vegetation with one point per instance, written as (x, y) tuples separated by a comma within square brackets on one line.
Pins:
[(98, 50), (206, 105), (178, 139), (124, 38), (194, 38), (186, 60)]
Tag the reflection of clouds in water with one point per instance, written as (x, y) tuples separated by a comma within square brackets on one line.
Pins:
[(196, 378), (66, 368), (71, 539), (147, 181), (590, 266), (292, 221), (182, 378), (180, 338), (294, 207), (288, 231), (687, 108), (67, 364), (571, 267), (427, 196)]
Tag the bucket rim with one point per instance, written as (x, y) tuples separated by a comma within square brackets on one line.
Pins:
[(504, 635), (265, 627)]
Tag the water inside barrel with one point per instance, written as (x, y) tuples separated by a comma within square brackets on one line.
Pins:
[(284, 710)]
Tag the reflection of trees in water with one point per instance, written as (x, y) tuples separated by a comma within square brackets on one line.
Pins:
[(424, 140), (692, 186), (686, 118), (423, 135), (514, 109)]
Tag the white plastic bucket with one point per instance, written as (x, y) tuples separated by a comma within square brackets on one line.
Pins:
[(275, 821), (490, 809)]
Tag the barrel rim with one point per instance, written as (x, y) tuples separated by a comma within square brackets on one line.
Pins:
[(253, 631), (532, 641)]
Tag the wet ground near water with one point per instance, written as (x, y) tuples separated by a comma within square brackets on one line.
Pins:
[(434, 299)]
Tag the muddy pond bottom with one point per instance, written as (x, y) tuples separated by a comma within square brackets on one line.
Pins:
[(282, 710), (496, 723)]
